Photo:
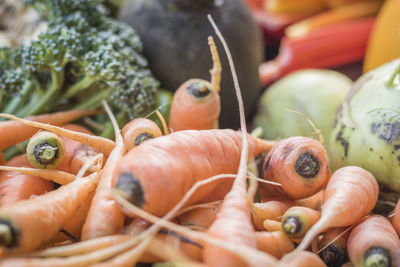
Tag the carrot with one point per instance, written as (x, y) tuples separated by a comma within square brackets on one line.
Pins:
[(15, 186), (304, 259), (136, 226), (77, 154), (272, 226), (139, 130), (300, 164), (101, 144), (15, 132), (333, 246), (396, 218), (104, 216), (275, 243), (296, 221), (374, 242), (45, 150), (179, 159), (270, 210), (294, 6), (199, 218), (29, 224), (56, 176), (350, 195), (196, 103), (313, 202)]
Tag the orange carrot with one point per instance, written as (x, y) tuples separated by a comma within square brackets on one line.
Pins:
[(77, 154), (299, 164), (313, 202), (333, 246), (304, 259), (29, 224), (56, 176), (179, 159), (199, 218), (272, 226), (275, 243), (15, 132), (101, 144), (396, 218), (139, 130), (136, 226), (270, 210), (104, 216), (374, 242), (294, 6), (351, 194), (196, 103), (296, 221), (15, 186)]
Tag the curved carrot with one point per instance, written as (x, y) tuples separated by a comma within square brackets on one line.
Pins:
[(270, 210), (396, 218), (104, 216), (52, 175), (299, 164), (165, 168), (77, 154), (16, 186), (272, 226), (374, 242), (304, 259), (314, 202), (196, 103), (296, 221), (275, 243), (101, 144), (333, 246), (351, 194), (139, 130), (15, 132), (28, 224)]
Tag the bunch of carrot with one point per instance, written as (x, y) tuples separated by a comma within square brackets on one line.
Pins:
[(186, 196)]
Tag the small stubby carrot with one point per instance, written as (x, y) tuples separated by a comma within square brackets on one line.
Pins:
[(374, 242), (45, 150), (138, 131), (299, 164), (270, 210), (29, 224), (77, 154), (296, 221), (15, 132), (179, 159), (275, 243), (272, 226), (16, 186), (350, 195), (396, 218), (333, 246), (99, 143), (196, 103), (304, 259)]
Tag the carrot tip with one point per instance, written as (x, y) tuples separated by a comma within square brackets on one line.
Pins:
[(377, 257), (130, 188), (291, 226)]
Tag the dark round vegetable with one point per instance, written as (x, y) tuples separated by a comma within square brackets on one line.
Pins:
[(174, 34)]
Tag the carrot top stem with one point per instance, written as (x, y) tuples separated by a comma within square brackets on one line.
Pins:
[(377, 257), (45, 150), (292, 225)]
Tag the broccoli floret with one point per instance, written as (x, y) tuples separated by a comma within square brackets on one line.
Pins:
[(83, 57)]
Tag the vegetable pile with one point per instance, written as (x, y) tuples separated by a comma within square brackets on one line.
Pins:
[(187, 193)]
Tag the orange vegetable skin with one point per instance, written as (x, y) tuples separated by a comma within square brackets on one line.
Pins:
[(351, 194), (270, 210), (299, 164), (199, 218), (33, 222), (17, 132), (304, 259), (396, 218), (139, 130), (275, 243), (374, 242), (296, 221), (16, 186), (165, 168), (195, 106)]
